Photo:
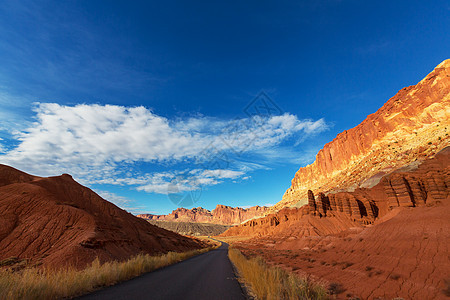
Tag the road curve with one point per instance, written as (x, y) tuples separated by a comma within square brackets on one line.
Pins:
[(206, 276)]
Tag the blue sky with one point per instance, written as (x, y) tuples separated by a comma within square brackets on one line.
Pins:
[(161, 104)]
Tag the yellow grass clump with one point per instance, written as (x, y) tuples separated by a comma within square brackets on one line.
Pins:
[(268, 282), (35, 283)]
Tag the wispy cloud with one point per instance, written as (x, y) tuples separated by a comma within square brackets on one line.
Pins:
[(248, 206), (123, 202), (100, 143)]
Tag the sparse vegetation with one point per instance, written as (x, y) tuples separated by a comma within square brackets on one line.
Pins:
[(446, 291), (346, 265), (335, 288), (268, 282), (39, 283)]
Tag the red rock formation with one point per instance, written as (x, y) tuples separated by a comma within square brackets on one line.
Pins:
[(151, 217), (224, 215), (401, 254), (426, 184), (58, 222), (235, 215), (413, 124)]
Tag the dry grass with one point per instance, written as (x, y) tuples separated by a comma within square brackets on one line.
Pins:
[(34, 283), (268, 282)]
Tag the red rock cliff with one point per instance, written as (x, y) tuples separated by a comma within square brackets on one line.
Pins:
[(222, 214), (426, 184), (414, 124)]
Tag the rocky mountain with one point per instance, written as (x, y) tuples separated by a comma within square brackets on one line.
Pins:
[(222, 214), (369, 217), (181, 214), (421, 184), (414, 124), (57, 222), (385, 242)]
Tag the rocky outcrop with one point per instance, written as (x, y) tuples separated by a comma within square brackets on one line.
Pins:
[(404, 254), (181, 214), (426, 184), (57, 222), (222, 214), (414, 124)]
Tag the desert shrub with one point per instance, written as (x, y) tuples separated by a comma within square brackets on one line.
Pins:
[(346, 265), (335, 288), (268, 282)]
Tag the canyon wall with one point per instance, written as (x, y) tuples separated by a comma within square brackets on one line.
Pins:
[(412, 125), (222, 214), (425, 184)]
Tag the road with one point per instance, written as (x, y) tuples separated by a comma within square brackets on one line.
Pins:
[(206, 276)]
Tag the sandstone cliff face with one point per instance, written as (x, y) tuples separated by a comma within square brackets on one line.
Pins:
[(235, 215), (414, 124), (222, 214), (191, 228), (416, 185), (58, 222)]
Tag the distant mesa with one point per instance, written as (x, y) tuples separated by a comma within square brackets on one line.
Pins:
[(222, 214), (57, 222)]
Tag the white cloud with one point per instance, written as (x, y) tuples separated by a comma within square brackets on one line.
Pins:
[(114, 198), (100, 143), (122, 202), (177, 181), (248, 206)]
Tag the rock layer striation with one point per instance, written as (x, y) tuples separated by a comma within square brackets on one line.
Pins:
[(417, 185), (57, 222), (222, 214), (414, 124)]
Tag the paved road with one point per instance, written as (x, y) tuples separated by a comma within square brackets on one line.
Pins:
[(206, 276)]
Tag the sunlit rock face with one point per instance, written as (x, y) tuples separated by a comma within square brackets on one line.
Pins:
[(412, 125), (222, 214)]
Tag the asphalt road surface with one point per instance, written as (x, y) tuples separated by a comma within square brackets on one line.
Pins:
[(206, 276)]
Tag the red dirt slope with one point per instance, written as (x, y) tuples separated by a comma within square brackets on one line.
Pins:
[(59, 222)]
